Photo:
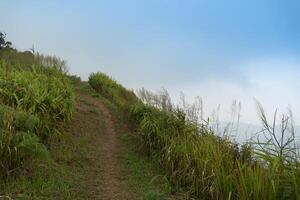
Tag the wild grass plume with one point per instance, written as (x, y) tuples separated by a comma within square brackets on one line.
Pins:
[(207, 165)]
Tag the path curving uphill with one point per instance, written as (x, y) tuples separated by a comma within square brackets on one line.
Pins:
[(106, 179)]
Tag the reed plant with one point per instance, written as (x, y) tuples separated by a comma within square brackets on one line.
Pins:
[(209, 165), (35, 97)]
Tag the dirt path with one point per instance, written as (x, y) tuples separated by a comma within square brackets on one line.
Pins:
[(109, 181)]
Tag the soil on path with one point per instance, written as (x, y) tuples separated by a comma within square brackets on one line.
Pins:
[(105, 177)]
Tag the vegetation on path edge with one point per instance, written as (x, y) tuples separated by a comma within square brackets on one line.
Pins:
[(118, 144)]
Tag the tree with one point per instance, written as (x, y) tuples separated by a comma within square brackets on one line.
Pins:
[(4, 44)]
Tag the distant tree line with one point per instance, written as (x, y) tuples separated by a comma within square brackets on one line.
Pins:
[(4, 44), (28, 58)]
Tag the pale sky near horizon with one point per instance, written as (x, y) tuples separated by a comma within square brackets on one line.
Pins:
[(218, 50)]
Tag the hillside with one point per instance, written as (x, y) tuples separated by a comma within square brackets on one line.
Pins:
[(92, 160), (63, 138)]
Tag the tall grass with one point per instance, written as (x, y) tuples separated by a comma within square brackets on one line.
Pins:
[(210, 166), (18, 140), (48, 96), (35, 96), (112, 90)]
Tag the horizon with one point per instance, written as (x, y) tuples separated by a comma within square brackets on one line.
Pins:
[(220, 51)]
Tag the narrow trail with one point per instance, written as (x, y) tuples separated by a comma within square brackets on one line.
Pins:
[(111, 185), (109, 180)]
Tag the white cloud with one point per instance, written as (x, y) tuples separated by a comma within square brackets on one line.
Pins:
[(272, 82)]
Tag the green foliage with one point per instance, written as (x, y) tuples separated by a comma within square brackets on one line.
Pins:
[(210, 166), (153, 195), (18, 141), (35, 96), (147, 175), (205, 164), (39, 93), (193, 158), (4, 44), (110, 89)]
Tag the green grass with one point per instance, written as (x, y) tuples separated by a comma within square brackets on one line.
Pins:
[(57, 181), (198, 161), (38, 159), (47, 181), (144, 173), (36, 98), (153, 195), (90, 105), (93, 110), (40, 186), (33, 103), (85, 102), (110, 89)]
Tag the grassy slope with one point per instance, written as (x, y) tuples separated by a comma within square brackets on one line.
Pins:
[(70, 153), (145, 175), (74, 153)]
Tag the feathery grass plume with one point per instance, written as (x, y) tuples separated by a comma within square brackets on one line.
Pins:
[(209, 165)]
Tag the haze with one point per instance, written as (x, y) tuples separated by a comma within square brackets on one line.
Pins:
[(218, 50)]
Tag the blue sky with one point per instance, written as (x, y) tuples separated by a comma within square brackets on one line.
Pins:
[(219, 50)]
